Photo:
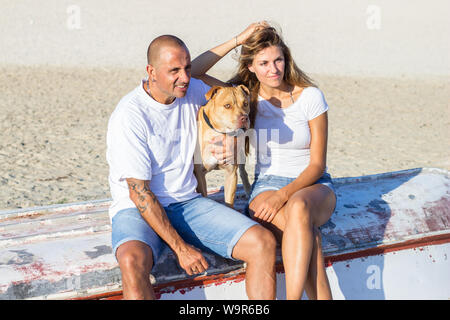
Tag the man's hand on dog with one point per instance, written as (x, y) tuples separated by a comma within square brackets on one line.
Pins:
[(223, 149)]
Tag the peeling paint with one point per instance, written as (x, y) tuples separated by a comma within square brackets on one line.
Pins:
[(99, 251)]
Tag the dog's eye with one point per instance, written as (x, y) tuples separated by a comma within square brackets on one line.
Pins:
[(245, 103), (227, 106)]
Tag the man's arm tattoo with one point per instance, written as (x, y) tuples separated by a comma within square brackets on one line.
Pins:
[(142, 194), (153, 212)]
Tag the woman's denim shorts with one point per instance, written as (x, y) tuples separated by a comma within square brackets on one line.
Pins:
[(201, 222), (272, 182)]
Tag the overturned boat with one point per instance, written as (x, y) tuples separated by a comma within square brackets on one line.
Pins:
[(389, 238)]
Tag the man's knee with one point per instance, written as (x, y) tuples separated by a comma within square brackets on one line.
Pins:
[(135, 256), (258, 242)]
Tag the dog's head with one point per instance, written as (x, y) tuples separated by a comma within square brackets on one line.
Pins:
[(228, 108)]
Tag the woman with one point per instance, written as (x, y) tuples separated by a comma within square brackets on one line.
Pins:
[(292, 194)]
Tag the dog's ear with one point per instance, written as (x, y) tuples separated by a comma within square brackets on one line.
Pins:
[(244, 88), (212, 92)]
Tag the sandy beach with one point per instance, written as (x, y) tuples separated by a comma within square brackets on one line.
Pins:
[(382, 65), (53, 126)]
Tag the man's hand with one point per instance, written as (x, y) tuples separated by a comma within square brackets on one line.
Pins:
[(223, 149), (190, 258)]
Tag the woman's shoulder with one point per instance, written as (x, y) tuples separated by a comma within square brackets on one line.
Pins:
[(312, 93), (313, 102)]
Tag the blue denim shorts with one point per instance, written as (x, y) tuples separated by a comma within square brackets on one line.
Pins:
[(272, 182), (201, 222)]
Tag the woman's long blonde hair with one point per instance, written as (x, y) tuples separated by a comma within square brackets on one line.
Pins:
[(258, 41)]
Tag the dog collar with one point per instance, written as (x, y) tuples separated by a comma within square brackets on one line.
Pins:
[(234, 133)]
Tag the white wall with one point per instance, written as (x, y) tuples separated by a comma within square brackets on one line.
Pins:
[(345, 37)]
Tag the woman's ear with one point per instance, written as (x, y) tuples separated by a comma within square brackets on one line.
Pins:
[(250, 68)]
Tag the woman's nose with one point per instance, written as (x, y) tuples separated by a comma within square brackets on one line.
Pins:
[(274, 68)]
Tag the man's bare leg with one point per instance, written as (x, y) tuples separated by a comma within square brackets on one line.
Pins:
[(257, 248), (135, 262)]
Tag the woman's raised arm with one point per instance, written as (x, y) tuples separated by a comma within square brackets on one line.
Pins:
[(208, 59)]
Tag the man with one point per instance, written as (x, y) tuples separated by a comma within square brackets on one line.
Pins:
[(151, 140)]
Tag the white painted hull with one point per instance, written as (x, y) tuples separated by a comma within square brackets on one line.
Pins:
[(415, 273)]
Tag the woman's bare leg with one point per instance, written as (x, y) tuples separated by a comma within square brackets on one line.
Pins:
[(317, 286), (307, 208)]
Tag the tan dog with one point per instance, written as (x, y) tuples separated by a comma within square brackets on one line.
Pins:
[(225, 113)]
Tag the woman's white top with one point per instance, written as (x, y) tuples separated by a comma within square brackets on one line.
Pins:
[(283, 135)]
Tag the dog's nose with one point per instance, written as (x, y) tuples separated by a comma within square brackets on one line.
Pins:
[(243, 119)]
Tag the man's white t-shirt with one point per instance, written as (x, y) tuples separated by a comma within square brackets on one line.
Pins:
[(283, 135), (148, 140)]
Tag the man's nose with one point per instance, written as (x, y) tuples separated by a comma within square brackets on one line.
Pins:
[(185, 76)]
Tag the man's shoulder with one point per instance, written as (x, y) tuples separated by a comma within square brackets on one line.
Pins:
[(130, 107), (197, 86), (197, 82), (130, 100), (197, 90)]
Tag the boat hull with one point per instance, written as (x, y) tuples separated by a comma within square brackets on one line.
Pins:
[(387, 239)]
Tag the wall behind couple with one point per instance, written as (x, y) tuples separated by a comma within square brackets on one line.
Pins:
[(369, 37)]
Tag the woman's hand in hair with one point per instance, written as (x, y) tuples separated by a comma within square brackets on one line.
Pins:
[(243, 36)]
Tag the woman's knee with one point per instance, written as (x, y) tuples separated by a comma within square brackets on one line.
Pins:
[(299, 209)]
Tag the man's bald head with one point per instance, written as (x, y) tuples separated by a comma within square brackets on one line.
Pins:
[(161, 42)]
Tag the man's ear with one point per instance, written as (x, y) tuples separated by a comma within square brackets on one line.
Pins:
[(151, 73), (212, 92)]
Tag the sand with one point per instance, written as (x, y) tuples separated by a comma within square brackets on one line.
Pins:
[(53, 126)]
